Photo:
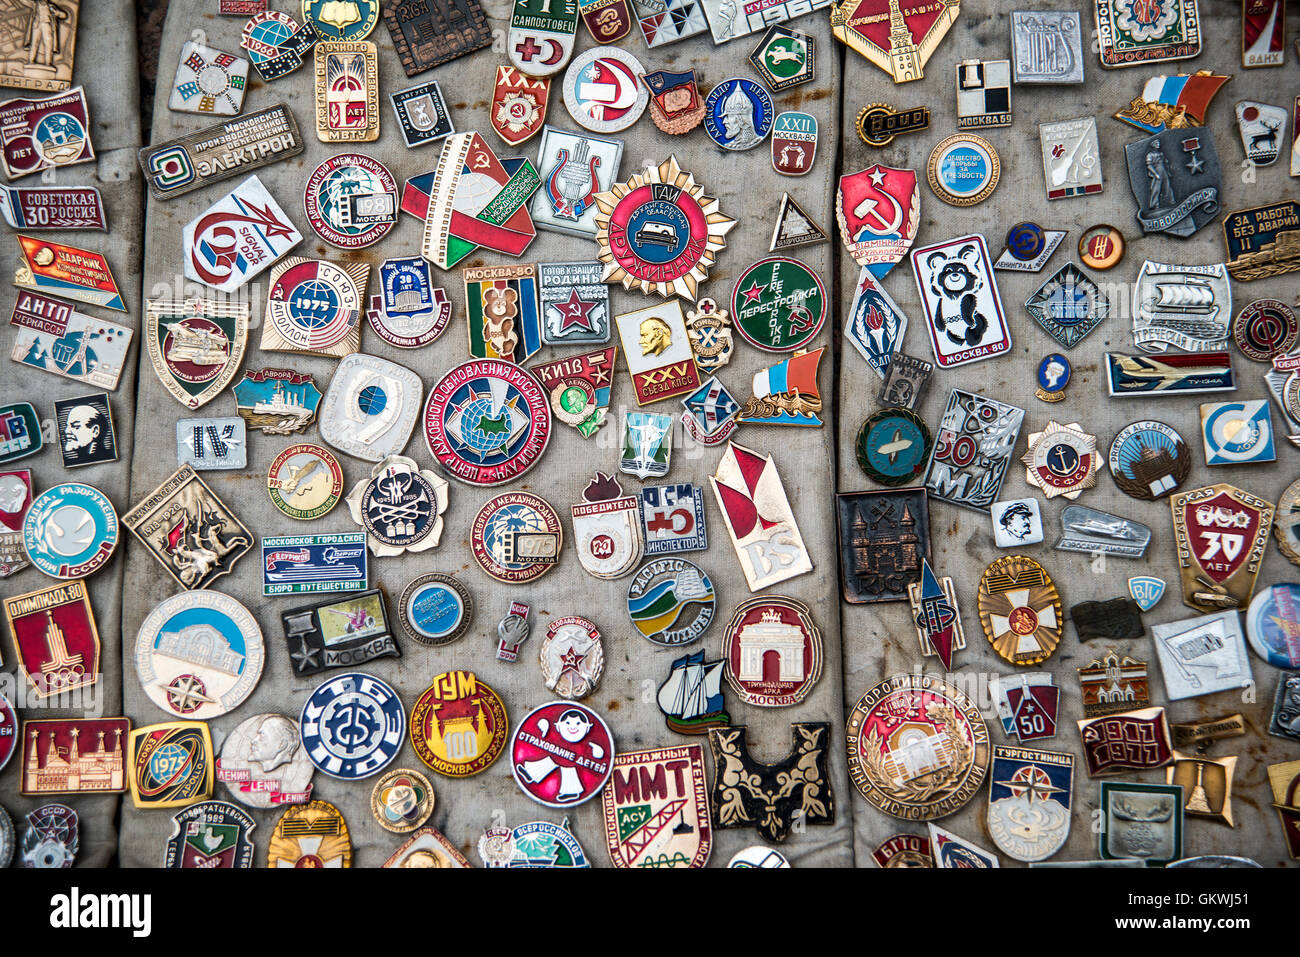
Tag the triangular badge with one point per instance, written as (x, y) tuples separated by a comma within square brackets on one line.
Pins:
[(794, 227)]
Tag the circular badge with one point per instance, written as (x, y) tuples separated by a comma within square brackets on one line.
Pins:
[(964, 169), (758, 855), (58, 137), (264, 36), (349, 20), (400, 506), (402, 800), (572, 657), (670, 601), (263, 763), (8, 732), (1025, 241), (893, 446), (313, 305), (1273, 625), (351, 200), (918, 747), (70, 531), (778, 304), (1264, 329), (199, 654), (603, 89), (1020, 610), (516, 537), (562, 754), (738, 114), (1101, 247), (1286, 522), (662, 232), (352, 726), (459, 725), (487, 421), (435, 609), (773, 651), (305, 481), (1148, 460), (309, 836)]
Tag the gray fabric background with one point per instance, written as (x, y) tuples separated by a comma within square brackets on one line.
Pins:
[(879, 640), (748, 189), (105, 66)]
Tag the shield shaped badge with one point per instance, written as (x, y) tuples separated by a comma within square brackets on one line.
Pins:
[(196, 345), (1146, 591), (518, 104), (1029, 801), (675, 102), (541, 35), (794, 143), (608, 20), (1221, 532), (657, 809), (879, 209), (607, 527)]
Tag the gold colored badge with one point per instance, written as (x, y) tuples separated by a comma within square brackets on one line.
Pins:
[(347, 91), (1207, 785), (310, 835), (1020, 610)]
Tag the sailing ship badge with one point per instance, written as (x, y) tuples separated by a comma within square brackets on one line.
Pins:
[(277, 401), (518, 105), (55, 638), (786, 393), (647, 444), (772, 797), (1175, 178), (934, 609), (758, 517), (196, 345), (1029, 801), (656, 809), (899, 36), (1189, 307), (607, 529), (579, 388), (875, 325), (691, 699), (189, 530), (879, 212)]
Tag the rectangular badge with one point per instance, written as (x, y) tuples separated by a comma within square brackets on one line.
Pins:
[(339, 634), (972, 450), (428, 33), (570, 181), (40, 133), (673, 519), (347, 91), (74, 756), (69, 271), (658, 351), (52, 207), (212, 443), (1263, 33), (215, 153), (53, 336), (729, 20), (963, 312), (1178, 373), (314, 564)]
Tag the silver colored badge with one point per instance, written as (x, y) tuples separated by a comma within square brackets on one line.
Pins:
[(1016, 522), (983, 94), (972, 450), (1188, 307), (263, 763), (1046, 46), (1285, 721), (603, 90), (207, 81), (422, 113), (1091, 531), (400, 506), (1283, 382), (1071, 157), (1175, 178), (574, 303), (513, 631), (1199, 656), (1069, 305), (574, 167), (905, 380), (370, 407), (1263, 131), (6, 838), (212, 443), (572, 657)]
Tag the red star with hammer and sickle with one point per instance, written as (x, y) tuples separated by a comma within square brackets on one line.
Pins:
[(571, 659), (576, 312), (753, 292)]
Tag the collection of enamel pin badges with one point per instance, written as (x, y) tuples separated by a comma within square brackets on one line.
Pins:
[(918, 747)]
